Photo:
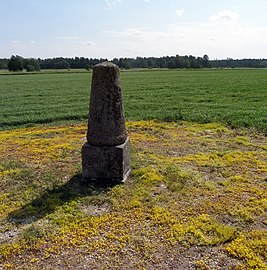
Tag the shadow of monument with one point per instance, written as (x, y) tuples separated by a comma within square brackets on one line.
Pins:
[(47, 203)]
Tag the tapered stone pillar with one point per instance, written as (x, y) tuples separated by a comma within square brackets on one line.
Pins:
[(106, 155)]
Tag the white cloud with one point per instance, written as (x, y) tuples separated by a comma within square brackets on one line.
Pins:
[(16, 41), (217, 40), (112, 3), (19, 42), (180, 12), (225, 16), (133, 32), (90, 43), (129, 32)]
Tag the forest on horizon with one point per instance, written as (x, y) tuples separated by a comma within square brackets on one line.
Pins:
[(18, 63)]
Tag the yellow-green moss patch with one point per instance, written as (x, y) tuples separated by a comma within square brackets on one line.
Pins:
[(193, 188)]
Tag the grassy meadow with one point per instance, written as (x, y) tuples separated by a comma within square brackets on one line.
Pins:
[(196, 197), (234, 97)]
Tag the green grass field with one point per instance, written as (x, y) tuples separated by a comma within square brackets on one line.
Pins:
[(234, 97)]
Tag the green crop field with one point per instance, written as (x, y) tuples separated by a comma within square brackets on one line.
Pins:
[(234, 97)]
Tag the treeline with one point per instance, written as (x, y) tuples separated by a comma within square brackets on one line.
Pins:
[(128, 63), (239, 63), (17, 63), (3, 63)]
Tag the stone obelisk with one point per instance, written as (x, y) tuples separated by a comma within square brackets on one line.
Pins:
[(106, 154)]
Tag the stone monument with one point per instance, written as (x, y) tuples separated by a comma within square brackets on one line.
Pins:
[(106, 154)]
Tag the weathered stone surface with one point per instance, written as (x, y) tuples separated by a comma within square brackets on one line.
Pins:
[(106, 155), (106, 162), (106, 122)]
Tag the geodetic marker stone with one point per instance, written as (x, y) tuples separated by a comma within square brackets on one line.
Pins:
[(106, 155)]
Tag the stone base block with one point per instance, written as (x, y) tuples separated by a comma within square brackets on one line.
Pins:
[(106, 162)]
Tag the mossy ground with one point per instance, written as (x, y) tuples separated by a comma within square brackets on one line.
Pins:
[(196, 199)]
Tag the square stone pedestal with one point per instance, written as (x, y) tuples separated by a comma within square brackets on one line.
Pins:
[(106, 162)]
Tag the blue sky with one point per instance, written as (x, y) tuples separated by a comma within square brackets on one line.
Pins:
[(130, 28)]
